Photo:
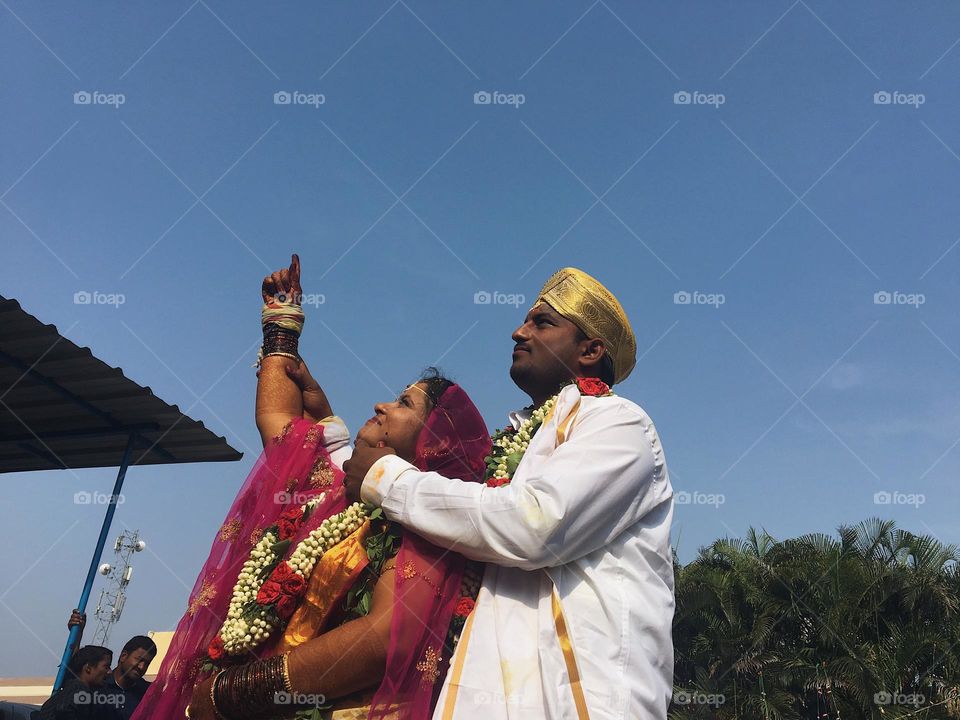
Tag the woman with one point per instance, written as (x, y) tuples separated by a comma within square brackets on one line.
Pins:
[(301, 598)]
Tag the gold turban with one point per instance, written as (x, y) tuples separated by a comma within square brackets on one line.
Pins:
[(586, 303)]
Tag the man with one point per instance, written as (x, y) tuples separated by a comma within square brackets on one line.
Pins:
[(573, 619), (126, 681), (83, 695)]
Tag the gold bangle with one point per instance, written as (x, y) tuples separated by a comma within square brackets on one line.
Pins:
[(286, 673), (213, 689)]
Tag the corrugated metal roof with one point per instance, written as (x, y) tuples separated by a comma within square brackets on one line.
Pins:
[(60, 406)]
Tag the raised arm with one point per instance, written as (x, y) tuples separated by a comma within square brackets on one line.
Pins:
[(279, 398)]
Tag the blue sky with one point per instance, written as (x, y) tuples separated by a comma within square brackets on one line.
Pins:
[(781, 199)]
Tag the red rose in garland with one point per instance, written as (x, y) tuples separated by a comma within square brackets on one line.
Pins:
[(289, 523), (215, 651), (269, 593), (594, 387), (285, 606), (464, 607)]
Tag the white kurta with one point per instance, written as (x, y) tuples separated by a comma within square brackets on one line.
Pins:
[(574, 616)]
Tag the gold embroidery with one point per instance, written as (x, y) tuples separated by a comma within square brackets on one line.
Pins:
[(203, 598), (291, 484), (321, 473), (282, 435), (429, 667), (256, 535), (230, 530), (409, 571), (313, 435)]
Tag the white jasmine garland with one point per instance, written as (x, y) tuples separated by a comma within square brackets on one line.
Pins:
[(507, 443), (248, 623)]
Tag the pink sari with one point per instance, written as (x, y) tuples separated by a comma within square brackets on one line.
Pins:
[(292, 470)]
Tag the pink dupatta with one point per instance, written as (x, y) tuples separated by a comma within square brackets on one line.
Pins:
[(293, 469)]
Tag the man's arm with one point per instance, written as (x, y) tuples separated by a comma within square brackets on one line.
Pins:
[(604, 479)]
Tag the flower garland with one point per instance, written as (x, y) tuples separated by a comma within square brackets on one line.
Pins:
[(509, 445), (268, 588)]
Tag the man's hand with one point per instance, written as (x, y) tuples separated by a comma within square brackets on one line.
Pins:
[(284, 285), (357, 466), (77, 618)]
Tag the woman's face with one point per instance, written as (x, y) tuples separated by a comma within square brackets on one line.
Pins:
[(398, 424)]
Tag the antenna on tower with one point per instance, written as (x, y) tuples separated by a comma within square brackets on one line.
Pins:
[(118, 575)]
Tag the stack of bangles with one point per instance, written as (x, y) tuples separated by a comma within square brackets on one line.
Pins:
[(258, 689), (282, 325)]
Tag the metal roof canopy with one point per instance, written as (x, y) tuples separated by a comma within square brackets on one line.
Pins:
[(61, 407)]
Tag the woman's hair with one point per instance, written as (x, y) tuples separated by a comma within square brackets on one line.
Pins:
[(436, 383), (87, 655)]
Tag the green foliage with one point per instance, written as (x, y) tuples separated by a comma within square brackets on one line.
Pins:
[(856, 627)]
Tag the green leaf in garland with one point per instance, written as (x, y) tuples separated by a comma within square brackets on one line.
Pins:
[(376, 513), (280, 548), (513, 461)]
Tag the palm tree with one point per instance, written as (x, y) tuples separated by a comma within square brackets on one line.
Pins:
[(864, 625)]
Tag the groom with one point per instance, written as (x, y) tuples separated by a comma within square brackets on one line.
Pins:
[(574, 616)]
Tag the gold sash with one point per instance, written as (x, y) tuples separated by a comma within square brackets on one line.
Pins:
[(331, 579)]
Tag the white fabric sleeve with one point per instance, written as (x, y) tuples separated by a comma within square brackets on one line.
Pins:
[(603, 480)]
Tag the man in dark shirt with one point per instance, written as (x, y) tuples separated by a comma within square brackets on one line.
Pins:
[(84, 695), (126, 679), (127, 676)]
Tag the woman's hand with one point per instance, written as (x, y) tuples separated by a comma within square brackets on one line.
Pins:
[(200, 706), (316, 407), (283, 285)]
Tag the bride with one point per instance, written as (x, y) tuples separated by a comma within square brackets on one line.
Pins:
[(307, 606)]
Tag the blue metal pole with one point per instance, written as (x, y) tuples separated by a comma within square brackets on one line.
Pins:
[(95, 562)]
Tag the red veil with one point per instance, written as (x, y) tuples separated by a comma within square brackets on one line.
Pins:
[(454, 443), (292, 469)]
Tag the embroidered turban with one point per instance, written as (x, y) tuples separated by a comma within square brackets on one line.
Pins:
[(586, 303)]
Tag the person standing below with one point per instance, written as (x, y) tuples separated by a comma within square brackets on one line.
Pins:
[(126, 679), (83, 696), (125, 682), (573, 619)]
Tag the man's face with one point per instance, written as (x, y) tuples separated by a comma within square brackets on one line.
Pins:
[(97, 674), (133, 665), (546, 351)]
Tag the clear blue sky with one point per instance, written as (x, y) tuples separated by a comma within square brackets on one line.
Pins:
[(796, 199)]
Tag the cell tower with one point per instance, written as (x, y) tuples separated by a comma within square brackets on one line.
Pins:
[(118, 575)]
